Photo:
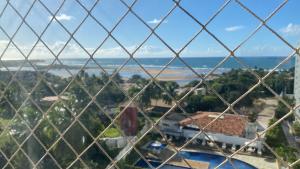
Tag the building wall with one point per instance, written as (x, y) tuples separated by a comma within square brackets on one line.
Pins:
[(174, 130), (128, 121), (297, 85), (236, 140), (170, 127)]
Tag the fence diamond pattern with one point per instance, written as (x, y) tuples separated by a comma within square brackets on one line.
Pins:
[(62, 130)]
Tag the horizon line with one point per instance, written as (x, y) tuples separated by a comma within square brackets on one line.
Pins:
[(158, 57)]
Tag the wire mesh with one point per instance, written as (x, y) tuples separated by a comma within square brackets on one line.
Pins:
[(61, 129)]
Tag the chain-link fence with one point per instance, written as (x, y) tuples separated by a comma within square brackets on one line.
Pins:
[(79, 120)]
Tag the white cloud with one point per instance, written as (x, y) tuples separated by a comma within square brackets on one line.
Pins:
[(62, 17), (234, 28), (156, 21), (72, 50), (263, 50), (291, 29), (144, 51), (207, 51)]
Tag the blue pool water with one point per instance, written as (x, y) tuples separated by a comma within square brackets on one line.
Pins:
[(215, 160), (212, 159)]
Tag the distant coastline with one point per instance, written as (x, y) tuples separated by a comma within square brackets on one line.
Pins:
[(176, 70)]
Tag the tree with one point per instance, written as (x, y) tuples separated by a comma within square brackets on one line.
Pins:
[(144, 98), (282, 110), (193, 103), (4, 133), (287, 153), (137, 79), (117, 78), (210, 103), (60, 116), (296, 127), (233, 84), (192, 83), (170, 89), (274, 137)]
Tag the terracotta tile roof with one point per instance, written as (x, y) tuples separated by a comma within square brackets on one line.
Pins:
[(228, 124)]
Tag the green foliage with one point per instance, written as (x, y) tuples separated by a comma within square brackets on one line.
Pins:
[(230, 85), (275, 138), (282, 110), (4, 137), (296, 127), (210, 102), (286, 152), (281, 81), (61, 114), (144, 99), (194, 103), (164, 91), (112, 132), (169, 91), (233, 84), (192, 83), (137, 79), (94, 122)]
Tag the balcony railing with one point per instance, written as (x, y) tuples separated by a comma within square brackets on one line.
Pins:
[(61, 112)]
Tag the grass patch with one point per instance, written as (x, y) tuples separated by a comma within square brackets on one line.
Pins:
[(112, 132)]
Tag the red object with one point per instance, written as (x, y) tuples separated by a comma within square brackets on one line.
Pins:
[(128, 121)]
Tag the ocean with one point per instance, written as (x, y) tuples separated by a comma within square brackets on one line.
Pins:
[(176, 70), (195, 62)]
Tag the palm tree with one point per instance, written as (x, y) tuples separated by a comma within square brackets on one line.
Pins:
[(169, 90)]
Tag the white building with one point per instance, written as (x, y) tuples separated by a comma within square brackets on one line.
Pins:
[(229, 130), (297, 85)]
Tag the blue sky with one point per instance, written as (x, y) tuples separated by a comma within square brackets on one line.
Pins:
[(231, 27)]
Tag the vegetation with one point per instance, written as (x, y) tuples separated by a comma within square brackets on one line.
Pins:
[(51, 119), (282, 109), (274, 137), (60, 118), (112, 132), (276, 140), (230, 86), (296, 127), (165, 90)]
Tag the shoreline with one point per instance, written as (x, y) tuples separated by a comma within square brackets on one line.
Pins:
[(180, 76)]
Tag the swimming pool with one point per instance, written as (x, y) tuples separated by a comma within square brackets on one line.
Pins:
[(213, 160), (143, 164)]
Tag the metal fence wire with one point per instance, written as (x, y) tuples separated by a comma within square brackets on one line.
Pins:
[(29, 144)]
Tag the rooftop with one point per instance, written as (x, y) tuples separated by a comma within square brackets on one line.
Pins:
[(228, 124), (175, 116)]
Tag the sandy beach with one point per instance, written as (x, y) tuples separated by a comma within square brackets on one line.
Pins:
[(169, 74), (180, 75)]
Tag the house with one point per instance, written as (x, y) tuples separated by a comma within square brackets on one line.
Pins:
[(170, 124), (226, 129)]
